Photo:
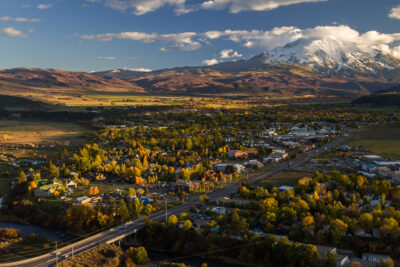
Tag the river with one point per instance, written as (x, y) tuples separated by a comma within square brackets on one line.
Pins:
[(40, 231)]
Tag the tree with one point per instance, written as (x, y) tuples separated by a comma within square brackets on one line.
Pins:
[(123, 210), (336, 229), (138, 255), (385, 263), (137, 207), (145, 164), (366, 221), (93, 190), (22, 178), (187, 225), (131, 192), (54, 171), (204, 198), (148, 209), (173, 220)]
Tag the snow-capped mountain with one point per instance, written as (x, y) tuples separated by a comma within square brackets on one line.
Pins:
[(330, 56)]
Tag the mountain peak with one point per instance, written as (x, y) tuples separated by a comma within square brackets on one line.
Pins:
[(331, 56)]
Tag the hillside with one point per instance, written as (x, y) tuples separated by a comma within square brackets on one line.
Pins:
[(389, 97)]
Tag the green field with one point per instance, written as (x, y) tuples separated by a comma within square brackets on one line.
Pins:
[(285, 178), (377, 140)]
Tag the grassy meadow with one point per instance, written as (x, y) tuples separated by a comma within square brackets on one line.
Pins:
[(378, 140)]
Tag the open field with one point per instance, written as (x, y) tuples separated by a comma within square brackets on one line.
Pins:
[(4, 186), (377, 140), (285, 178), (23, 132)]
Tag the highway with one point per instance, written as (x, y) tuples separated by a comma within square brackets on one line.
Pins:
[(130, 227)]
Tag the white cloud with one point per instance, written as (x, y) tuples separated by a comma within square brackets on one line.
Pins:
[(181, 41), (44, 6), (210, 62), (11, 32), (19, 19), (141, 7), (229, 53), (107, 58), (395, 13), (371, 41), (236, 6)]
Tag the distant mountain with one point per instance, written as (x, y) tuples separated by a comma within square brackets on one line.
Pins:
[(322, 68), (57, 78), (325, 67)]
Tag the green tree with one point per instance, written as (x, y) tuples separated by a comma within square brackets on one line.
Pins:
[(132, 192), (54, 171), (123, 210), (22, 178), (138, 255)]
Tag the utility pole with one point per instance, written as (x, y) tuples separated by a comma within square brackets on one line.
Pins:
[(166, 211), (56, 255), (72, 251)]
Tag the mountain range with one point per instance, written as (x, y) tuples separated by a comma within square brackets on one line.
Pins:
[(318, 68)]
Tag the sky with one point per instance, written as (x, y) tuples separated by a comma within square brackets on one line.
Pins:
[(94, 35)]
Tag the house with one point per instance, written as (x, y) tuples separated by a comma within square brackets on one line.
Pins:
[(235, 154), (188, 186), (276, 156), (258, 231), (285, 188), (82, 200), (368, 167), (219, 210), (72, 186), (46, 188), (371, 158), (344, 148), (253, 163), (342, 260), (220, 167), (239, 168), (269, 132), (374, 257), (366, 174)]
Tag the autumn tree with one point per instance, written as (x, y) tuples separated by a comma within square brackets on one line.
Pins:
[(22, 178)]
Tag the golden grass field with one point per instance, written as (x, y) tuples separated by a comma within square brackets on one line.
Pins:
[(24, 132), (378, 140)]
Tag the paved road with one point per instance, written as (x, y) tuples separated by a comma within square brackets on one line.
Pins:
[(128, 228)]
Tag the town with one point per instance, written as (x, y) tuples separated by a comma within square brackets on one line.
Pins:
[(341, 199)]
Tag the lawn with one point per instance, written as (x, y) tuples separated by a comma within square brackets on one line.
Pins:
[(285, 178), (378, 140)]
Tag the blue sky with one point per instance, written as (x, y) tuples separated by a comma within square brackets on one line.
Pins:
[(86, 35)]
